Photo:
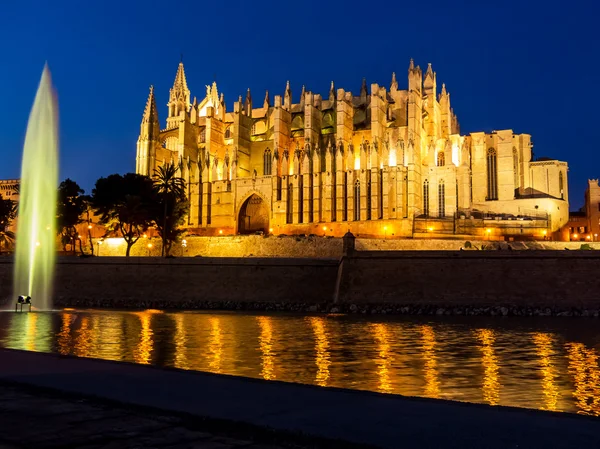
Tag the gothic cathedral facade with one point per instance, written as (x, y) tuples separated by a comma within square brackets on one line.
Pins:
[(383, 163)]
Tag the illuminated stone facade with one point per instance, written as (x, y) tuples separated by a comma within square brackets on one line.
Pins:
[(385, 162)]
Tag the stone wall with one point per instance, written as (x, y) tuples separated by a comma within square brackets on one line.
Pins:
[(558, 279), (156, 282), (402, 281), (303, 247)]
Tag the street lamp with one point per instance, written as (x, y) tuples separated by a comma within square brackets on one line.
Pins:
[(488, 231), (100, 242), (385, 232), (149, 248)]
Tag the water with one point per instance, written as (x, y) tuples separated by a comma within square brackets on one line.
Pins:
[(36, 225), (549, 364)]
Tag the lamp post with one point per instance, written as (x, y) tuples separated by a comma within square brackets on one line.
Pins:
[(99, 243), (385, 232), (149, 248)]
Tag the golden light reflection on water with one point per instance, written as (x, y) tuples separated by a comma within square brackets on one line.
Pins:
[(382, 337), (544, 348), (215, 345), (266, 347), (428, 343), (491, 385), (322, 357), (64, 336), (82, 339), (143, 352), (583, 367), (180, 342), (437, 359)]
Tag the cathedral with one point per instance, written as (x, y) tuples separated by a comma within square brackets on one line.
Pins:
[(385, 162)]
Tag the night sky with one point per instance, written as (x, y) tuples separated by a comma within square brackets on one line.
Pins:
[(522, 65)]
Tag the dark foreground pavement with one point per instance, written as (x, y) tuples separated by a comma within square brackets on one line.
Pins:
[(31, 418), (246, 408)]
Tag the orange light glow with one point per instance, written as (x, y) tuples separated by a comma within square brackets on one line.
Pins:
[(574, 236), (145, 236), (149, 245), (588, 237), (544, 232), (271, 230), (220, 231), (489, 231), (430, 228), (89, 226), (324, 228)]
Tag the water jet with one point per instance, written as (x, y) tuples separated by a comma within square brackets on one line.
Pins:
[(35, 253)]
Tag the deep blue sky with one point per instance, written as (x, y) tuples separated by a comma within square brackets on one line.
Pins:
[(529, 66)]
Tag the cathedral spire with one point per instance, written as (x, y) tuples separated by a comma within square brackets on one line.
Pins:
[(287, 96), (443, 93), (363, 89), (302, 96), (411, 66), (332, 92), (394, 83), (179, 97), (180, 83), (150, 111), (248, 104), (266, 103), (429, 70), (149, 136)]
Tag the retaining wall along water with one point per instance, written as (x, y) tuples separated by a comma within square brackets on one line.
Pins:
[(416, 282)]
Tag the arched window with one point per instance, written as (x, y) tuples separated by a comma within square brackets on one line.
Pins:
[(441, 159), (267, 162), (516, 168), (492, 175), (561, 185), (290, 203), (202, 136), (442, 199), (228, 133), (426, 198), (357, 200)]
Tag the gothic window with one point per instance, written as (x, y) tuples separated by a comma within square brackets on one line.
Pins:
[(368, 194), (202, 136), (426, 198), (357, 200), (441, 159), (300, 199), (228, 133), (290, 203), (442, 199), (516, 167), (279, 188), (492, 175), (561, 185), (267, 162)]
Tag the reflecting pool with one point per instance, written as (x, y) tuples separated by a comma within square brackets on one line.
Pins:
[(544, 363)]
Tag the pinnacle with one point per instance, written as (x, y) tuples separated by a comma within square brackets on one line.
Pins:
[(180, 80)]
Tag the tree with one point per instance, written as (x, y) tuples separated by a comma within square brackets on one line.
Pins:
[(125, 205), (171, 190), (176, 211), (8, 212), (71, 206)]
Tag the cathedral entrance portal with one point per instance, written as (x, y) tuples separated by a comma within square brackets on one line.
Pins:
[(254, 216)]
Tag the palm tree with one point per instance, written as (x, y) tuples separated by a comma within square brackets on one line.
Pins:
[(171, 188)]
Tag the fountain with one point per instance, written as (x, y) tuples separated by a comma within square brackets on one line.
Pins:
[(36, 225)]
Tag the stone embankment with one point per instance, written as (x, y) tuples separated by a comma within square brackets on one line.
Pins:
[(502, 283)]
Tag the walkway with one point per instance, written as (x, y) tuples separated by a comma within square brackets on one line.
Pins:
[(360, 417)]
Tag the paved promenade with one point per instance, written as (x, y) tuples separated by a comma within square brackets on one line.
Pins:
[(31, 419), (359, 417)]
